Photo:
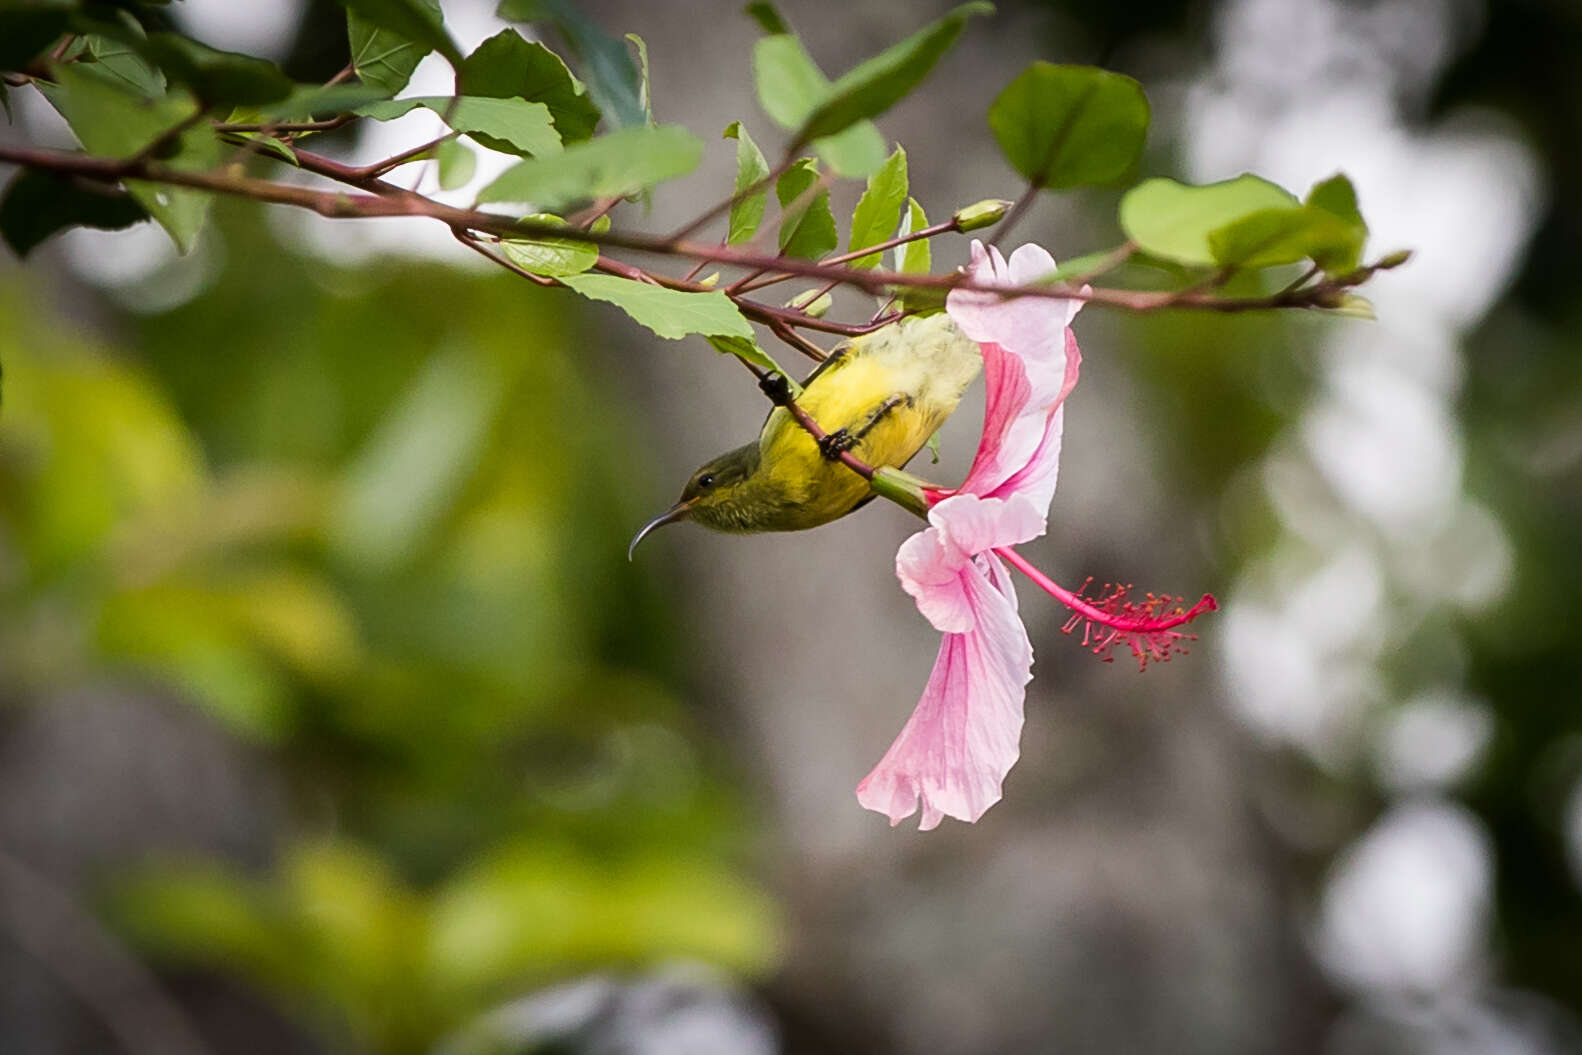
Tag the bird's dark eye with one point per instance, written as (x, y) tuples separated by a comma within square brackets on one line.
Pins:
[(706, 481)]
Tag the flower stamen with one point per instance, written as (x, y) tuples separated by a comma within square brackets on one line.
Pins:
[(1111, 619)]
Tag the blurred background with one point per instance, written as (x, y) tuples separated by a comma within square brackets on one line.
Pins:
[(333, 718)]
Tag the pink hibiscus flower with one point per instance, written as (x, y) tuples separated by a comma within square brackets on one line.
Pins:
[(964, 735)]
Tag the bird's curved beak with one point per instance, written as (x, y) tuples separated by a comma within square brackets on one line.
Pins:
[(676, 512)]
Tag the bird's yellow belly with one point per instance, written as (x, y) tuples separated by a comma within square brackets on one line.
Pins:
[(820, 490)]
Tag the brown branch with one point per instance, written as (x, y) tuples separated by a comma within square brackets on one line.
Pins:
[(389, 201)]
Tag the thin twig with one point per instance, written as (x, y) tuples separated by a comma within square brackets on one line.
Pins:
[(688, 229)]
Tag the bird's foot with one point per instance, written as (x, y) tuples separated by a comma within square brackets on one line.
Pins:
[(777, 388), (836, 443)]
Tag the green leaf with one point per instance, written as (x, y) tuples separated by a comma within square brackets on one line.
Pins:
[(751, 168), (308, 102), (418, 21), (517, 126), (670, 313), (748, 350), (1271, 237), (854, 153), (913, 258), (112, 123), (1173, 220), (613, 80), (807, 228), (29, 27), (1070, 126), (645, 93), (506, 66), (767, 17), (1328, 228), (457, 163), (38, 203), (790, 86), (555, 257), (216, 77), (624, 162), (384, 58), (879, 209), (872, 87), (1337, 197), (271, 145), (120, 62)]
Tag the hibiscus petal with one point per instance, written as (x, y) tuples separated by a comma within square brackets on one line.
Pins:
[(1037, 476), (1006, 396), (1032, 263), (977, 525), (1031, 328), (964, 736), (930, 570)]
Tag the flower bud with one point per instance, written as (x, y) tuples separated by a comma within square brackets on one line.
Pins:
[(812, 306), (985, 213)]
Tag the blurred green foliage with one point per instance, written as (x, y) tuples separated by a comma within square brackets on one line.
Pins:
[(372, 520)]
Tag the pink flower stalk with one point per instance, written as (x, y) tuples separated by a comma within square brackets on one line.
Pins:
[(964, 735)]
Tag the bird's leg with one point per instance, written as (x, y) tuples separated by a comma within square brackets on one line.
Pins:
[(840, 440)]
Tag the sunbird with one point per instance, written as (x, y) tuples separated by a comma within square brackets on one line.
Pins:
[(880, 396)]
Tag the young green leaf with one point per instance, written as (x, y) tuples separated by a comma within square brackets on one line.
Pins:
[(670, 313), (879, 208), (872, 87), (624, 162), (506, 66), (113, 123), (913, 258), (1173, 220), (216, 77), (555, 257), (613, 80), (807, 227), (517, 126), (751, 168), (39, 203), (383, 57), (1070, 126), (418, 21), (748, 350), (457, 163)]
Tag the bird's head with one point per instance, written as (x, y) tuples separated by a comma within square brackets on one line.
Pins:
[(713, 495)]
